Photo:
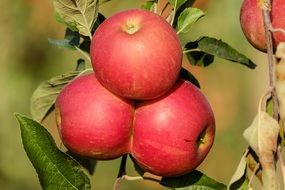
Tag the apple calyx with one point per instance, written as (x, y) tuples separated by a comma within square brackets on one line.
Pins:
[(131, 27), (201, 139)]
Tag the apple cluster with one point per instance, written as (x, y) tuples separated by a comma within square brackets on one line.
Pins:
[(251, 20), (135, 102)]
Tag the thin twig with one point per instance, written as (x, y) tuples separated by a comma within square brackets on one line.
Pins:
[(277, 30), (174, 12), (121, 173), (134, 178), (270, 57)]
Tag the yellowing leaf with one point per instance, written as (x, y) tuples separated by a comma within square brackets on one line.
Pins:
[(262, 135), (280, 52)]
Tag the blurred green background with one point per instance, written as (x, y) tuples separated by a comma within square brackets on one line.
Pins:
[(27, 59)]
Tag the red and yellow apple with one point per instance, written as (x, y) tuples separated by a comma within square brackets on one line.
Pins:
[(136, 54), (92, 121), (251, 20), (173, 133), (168, 136)]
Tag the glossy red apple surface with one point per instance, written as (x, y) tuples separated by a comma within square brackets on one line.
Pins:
[(136, 54), (173, 133), (92, 121), (252, 22)]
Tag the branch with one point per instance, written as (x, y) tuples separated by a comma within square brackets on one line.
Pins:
[(269, 177), (270, 56)]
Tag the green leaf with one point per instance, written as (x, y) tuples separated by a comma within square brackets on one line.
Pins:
[(62, 43), (79, 14), (178, 3), (187, 4), (202, 51), (87, 163), (196, 56), (192, 181), (100, 19), (43, 99), (56, 170), (70, 41), (85, 44), (185, 74), (148, 5), (187, 18)]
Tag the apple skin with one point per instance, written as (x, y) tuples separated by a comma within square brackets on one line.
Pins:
[(136, 54), (252, 23), (92, 121), (167, 131)]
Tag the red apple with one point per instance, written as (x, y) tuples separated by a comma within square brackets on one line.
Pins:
[(252, 22), (136, 54), (92, 121), (173, 133)]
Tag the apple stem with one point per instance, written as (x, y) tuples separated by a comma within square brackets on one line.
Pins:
[(121, 173)]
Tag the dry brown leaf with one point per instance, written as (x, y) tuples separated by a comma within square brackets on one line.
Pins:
[(280, 79), (262, 136)]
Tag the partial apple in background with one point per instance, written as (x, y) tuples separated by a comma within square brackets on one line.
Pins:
[(92, 121), (136, 54), (252, 22), (173, 134)]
